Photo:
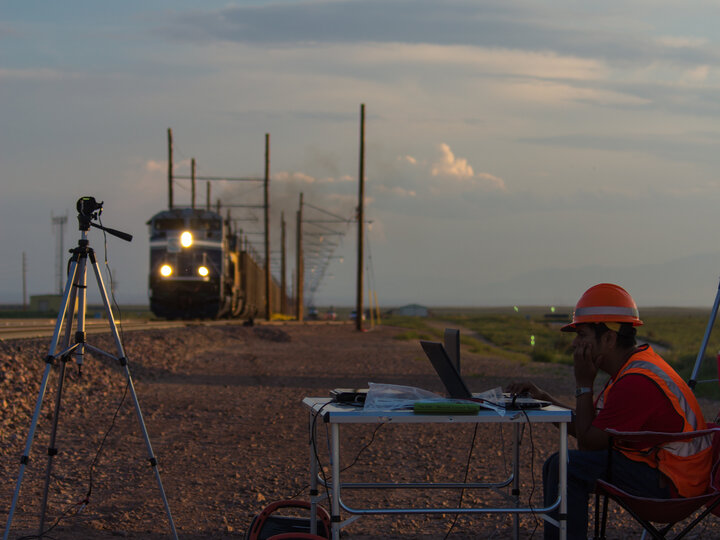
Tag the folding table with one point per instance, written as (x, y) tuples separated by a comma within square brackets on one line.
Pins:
[(336, 414)]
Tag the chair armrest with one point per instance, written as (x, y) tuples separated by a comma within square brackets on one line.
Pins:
[(655, 438)]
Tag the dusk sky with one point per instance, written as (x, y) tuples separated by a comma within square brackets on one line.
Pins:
[(516, 152)]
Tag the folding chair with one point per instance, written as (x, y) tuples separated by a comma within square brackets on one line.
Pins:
[(647, 511)]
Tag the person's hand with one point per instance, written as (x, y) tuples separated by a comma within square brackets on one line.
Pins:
[(586, 361), (526, 387)]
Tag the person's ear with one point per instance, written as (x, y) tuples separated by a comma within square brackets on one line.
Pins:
[(609, 339)]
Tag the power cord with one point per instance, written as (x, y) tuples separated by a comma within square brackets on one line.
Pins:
[(112, 283), (79, 506), (316, 456), (467, 470), (532, 470)]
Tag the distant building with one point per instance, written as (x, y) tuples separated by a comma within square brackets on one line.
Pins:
[(411, 310)]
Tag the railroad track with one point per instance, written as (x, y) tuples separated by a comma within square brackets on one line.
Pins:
[(35, 328)]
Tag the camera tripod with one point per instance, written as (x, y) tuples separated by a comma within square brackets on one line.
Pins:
[(74, 302)]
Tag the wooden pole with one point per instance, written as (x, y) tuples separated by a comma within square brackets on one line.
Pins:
[(192, 183), (299, 264), (283, 282), (170, 169), (361, 223), (207, 196), (268, 303), (24, 280)]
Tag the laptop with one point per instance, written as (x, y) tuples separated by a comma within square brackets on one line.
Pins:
[(456, 387)]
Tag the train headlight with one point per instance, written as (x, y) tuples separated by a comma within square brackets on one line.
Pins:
[(203, 271), (186, 239), (166, 270)]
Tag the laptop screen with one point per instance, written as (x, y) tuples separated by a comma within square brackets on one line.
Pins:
[(445, 369)]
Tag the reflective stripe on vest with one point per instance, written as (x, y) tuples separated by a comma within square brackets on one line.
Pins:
[(683, 449), (683, 462)]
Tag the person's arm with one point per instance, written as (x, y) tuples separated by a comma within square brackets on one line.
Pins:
[(588, 436), (532, 390)]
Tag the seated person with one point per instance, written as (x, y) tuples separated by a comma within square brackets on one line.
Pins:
[(643, 394)]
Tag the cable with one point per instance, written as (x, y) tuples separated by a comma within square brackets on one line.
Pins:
[(112, 284), (313, 440), (95, 460), (372, 438), (80, 506), (532, 470), (467, 470)]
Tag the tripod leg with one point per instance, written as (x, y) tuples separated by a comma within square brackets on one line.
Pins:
[(49, 359), (77, 291), (138, 412), (698, 361), (52, 450)]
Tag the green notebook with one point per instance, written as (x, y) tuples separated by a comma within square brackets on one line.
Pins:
[(445, 407)]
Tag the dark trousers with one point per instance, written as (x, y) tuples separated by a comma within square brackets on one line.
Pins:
[(584, 467)]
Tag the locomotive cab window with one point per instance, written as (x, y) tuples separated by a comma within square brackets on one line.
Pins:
[(169, 224)]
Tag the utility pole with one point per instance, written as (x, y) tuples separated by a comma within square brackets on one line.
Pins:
[(170, 170), (60, 221), (283, 283), (24, 280), (299, 274), (361, 222), (192, 183), (207, 195), (268, 303)]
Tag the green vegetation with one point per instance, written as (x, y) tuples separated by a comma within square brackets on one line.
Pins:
[(531, 337), (418, 328), (678, 336)]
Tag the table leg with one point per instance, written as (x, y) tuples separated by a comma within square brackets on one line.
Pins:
[(313, 477), (516, 479), (563, 480), (335, 446)]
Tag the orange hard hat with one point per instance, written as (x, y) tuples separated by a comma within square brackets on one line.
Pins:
[(604, 303)]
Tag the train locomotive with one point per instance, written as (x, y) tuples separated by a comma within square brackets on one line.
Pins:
[(195, 267)]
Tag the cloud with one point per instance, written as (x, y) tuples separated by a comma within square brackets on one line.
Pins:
[(448, 166), (493, 180), (285, 176), (303, 178), (492, 23), (154, 166), (697, 75), (397, 190), (35, 74)]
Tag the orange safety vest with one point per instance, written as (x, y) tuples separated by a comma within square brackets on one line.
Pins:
[(686, 463)]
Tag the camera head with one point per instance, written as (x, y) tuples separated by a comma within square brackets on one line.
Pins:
[(88, 209), (87, 206)]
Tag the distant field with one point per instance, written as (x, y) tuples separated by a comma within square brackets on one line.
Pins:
[(531, 336)]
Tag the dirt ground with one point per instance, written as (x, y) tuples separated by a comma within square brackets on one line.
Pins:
[(224, 414)]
